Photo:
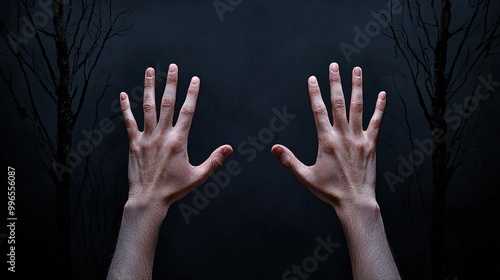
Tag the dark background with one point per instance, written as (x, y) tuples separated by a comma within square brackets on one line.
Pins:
[(258, 58)]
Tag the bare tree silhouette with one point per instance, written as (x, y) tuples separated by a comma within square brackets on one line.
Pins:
[(445, 52), (56, 46)]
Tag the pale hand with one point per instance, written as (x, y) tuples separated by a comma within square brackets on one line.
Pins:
[(159, 170), (344, 172)]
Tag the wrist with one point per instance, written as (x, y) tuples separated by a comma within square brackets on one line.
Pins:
[(145, 209), (361, 209)]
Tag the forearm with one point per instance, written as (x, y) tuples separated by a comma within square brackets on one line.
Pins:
[(371, 257), (137, 240)]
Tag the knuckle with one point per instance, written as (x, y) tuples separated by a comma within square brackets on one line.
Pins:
[(193, 88), (330, 148), (314, 91), (148, 106), (328, 140), (157, 141), (167, 102), (172, 77), (376, 123), (125, 106), (287, 161), (357, 106), (325, 139), (359, 145), (319, 110), (335, 78), (381, 107), (134, 149), (357, 82), (176, 142), (129, 122), (371, 148), (187, 110), (215, 162), (338, 103), (145, 146), (176, 145)]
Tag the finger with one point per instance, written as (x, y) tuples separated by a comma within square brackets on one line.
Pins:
[(128, 118), (337, 98), (168, 99), (214, 161), (376, 120), (148, 104), (318, 107), (356, 109), (288, 160), (189, 107)]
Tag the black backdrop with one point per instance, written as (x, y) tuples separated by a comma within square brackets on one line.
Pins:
[(257, 59)]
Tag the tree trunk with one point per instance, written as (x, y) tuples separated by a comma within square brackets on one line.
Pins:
[(440, 155), (440, 180), (64, 139)]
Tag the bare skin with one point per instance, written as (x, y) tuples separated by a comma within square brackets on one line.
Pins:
[(159, 173), (344, 173)]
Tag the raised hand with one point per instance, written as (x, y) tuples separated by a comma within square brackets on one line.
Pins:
[(159, 170), (159, 173), (344, 172)]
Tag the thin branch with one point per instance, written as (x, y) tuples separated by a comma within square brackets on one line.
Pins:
[(413, 74), (42, 48), (466, 35), (109, 35)]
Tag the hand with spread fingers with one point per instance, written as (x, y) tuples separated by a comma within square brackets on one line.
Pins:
[(159, 172), (343, 175), (159, 169), (345, 171)]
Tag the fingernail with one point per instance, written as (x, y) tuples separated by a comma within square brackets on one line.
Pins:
[(226, 151), (195, 80), (383, 95), (150, 72), (278, 150), (357, 72), (312, 80), (334, 67), (123, 96), (171, 68)]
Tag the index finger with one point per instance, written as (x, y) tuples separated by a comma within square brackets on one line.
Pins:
[(128, 118), (189, 107), (376, 120)]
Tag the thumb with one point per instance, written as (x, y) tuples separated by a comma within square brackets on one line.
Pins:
[(214, 161), (288, 160)]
